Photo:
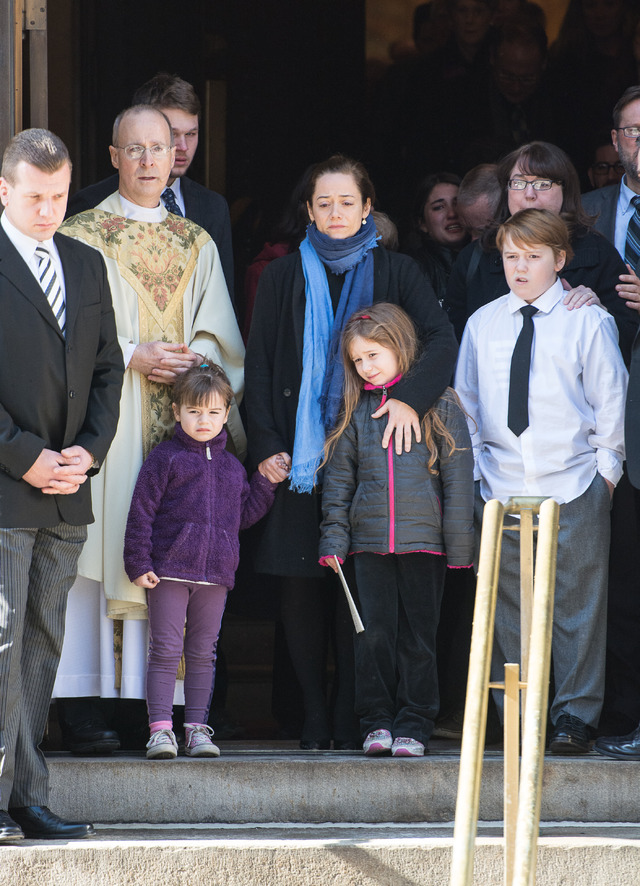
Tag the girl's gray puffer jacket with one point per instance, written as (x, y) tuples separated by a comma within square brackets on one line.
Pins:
[(376, 501)]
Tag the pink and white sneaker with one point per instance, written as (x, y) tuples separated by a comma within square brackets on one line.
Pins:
[(407, 747), (377, 742), (198, 741)]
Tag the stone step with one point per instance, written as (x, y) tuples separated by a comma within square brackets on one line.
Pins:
[(278, 783), (569, 853)]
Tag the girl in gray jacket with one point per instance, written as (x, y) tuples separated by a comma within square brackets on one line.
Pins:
[(404, 516)]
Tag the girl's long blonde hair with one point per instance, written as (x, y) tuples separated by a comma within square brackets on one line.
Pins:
[(391, 327)]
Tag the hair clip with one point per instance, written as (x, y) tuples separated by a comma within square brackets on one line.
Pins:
[(204, 366), (364, 317)]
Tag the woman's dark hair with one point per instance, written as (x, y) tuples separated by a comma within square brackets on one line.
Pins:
[(546, 161), (424, 189), (345, 166), (295, 218)]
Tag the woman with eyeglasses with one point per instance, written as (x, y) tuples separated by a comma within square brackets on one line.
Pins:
[(540, 175)]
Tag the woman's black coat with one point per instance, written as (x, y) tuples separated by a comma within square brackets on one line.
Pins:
[(288, 543)]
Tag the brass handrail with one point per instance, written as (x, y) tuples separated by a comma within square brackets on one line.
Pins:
[(520, 831)]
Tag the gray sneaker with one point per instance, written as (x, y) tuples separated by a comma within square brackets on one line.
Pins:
[(162, 745)]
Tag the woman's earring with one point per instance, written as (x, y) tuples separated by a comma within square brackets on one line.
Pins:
[(364, 221)]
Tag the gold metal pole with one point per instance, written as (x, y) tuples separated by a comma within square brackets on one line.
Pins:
[(535, 723), (475, 713), (526, 595), (511, 764)]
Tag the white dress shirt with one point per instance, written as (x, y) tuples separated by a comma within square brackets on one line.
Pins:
[(26, 246), (577, 388)]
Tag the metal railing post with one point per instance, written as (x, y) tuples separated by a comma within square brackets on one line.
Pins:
[(521, 789), (475, 712), (535, 722)]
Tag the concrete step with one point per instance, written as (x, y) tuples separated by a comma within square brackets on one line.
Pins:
[(569, 853), (278, 783)]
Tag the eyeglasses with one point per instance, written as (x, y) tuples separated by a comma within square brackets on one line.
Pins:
[(602, 168), (540, 184), (629, 131), (522, 79), (136, 152)]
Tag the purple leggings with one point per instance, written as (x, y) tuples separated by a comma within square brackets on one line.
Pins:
[(170, 604)]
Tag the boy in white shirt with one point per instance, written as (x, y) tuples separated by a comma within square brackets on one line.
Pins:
[(545, 389)]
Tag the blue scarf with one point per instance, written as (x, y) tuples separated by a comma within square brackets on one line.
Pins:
[(322, 369)]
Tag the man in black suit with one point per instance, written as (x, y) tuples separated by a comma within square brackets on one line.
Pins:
[(615, 212), (61, 373), (179, 103)]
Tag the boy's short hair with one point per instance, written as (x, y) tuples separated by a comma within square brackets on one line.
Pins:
[(537, 227), (195, 386)]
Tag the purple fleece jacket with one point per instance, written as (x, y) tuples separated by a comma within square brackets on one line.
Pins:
[(190, 502)]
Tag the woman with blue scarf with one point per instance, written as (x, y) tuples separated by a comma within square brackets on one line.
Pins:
[(293, 391)]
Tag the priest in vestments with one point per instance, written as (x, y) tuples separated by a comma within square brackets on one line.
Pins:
[(172, 307)]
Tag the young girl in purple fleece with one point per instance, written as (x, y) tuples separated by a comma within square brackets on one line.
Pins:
[(190, 502)]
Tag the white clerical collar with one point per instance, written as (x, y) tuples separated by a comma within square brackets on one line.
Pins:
[(141, 213)]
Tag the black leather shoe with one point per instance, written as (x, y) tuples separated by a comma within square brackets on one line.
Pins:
[(570, 736), (84, 730), (91, 738), (40, 823), (622, 747), (9, 830), (310, 744)]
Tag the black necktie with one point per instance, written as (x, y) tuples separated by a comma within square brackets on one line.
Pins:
[(518, 416), (169, 200), (632, 244)]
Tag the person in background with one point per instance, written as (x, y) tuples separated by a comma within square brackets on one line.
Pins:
[(439, 228), (606, 168), (478, 199)]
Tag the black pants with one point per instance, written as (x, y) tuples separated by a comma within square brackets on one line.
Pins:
[(396, 673)]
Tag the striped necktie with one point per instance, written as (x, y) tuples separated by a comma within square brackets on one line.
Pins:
[(632, 244), (169, 200), (51, 285)]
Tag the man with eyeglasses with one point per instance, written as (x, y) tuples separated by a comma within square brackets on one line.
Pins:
[(178, 101), (614, 204), (606, 168), (172, 306), (619, 221)]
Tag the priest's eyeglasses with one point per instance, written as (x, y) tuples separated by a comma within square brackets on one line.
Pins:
[(539, 184), (136, 152)]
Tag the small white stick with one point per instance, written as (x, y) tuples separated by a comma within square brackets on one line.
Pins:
[(355, 615)]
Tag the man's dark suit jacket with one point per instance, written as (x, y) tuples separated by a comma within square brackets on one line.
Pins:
[(54, 392), (202, 206), (604, 201)]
